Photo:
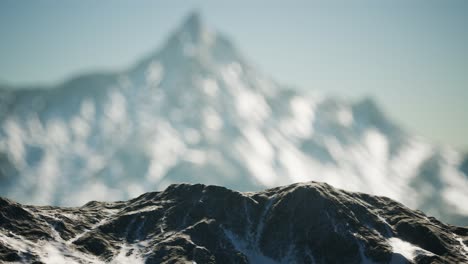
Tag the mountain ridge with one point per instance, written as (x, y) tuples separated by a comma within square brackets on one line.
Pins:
[(303, 223)]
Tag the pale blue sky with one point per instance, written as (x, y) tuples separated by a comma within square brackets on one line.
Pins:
[(412, 56)]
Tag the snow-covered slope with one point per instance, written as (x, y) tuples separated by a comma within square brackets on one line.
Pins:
[(300, 223), (196, 111)]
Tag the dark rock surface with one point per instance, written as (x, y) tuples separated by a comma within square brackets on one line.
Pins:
[(300, 223)]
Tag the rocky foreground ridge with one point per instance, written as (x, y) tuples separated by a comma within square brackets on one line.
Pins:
[(299, 223)]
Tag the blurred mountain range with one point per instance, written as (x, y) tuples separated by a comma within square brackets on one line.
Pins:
[(197, 111)]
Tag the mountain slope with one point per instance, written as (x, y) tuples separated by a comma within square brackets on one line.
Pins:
[(197, 111), (299, 223)]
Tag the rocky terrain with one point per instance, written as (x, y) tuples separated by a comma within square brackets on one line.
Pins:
[(299, 223)]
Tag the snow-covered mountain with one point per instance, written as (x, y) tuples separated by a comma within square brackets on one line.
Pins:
[(197, 111), (299, 223)]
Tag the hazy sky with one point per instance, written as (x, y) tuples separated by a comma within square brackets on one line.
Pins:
[(412, 56)]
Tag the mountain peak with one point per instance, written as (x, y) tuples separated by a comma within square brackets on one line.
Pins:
[(193, 18), (193, 27)]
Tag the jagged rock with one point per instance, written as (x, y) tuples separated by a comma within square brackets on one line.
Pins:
[(299, 223)]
